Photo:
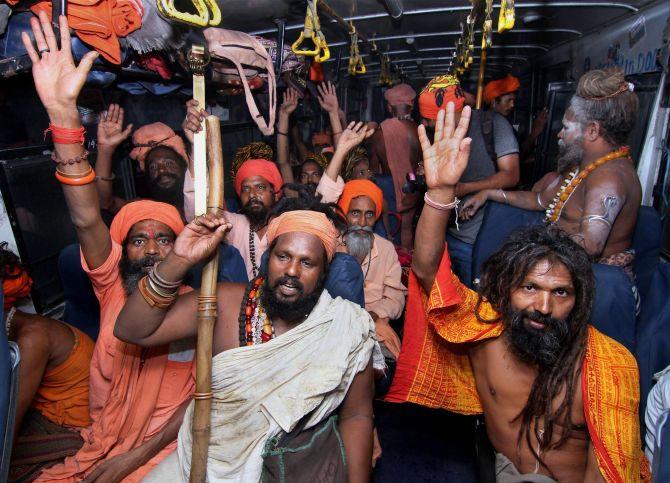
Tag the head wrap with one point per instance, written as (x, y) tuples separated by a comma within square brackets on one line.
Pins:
[(258, 167), (355, 155), (400, 95), (361, 187), (144, 210), (16, 285), (500, 87), (153, 135), (318, 158), (254, 150), (321, 138), (438, 93), (305, 221), (99, 23)]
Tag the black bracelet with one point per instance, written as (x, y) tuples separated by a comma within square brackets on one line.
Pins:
[(282, 133), (104, 178)]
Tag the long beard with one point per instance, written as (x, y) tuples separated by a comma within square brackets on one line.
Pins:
[(359, 241), (172, 195), (569, 155), (291, 311), (536, 347), (256, 213), (133, 271)]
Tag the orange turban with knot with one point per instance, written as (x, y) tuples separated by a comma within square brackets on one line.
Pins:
[(438, 93), (144, 210), (99, 23), (361, 187), (153, 135), (305, 221), (16, 285), (400, 95), (259, 167), (500, 87)]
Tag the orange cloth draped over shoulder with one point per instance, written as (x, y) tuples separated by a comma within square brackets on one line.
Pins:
[(361, 187), (62, 396), (434, 370)]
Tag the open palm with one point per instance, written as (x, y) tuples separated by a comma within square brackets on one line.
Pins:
[(447, 157), (57, 80), (110, 127), (352, 136)]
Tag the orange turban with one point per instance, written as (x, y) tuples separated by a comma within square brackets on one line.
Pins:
[(305, 221), (144, 210), (400, 95), (100, 23), (500, 87), (153, 135), (361, 187), (16, 285), (258, 167), (438, 93)]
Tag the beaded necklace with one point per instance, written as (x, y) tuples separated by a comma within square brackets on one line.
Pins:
[(255, 325), (573, 180), (252, 252), (8, 320)]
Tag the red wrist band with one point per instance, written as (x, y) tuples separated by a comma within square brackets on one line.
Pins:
[(64, 135)]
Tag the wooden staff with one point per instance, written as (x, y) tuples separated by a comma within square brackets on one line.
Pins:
[(480, 79), (207, 314), (198, 60)]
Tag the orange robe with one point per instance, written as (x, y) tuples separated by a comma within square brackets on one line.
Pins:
[(434, 370), (62, 396), (134, 391)]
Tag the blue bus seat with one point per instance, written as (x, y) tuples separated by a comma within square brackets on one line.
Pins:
[(82, 309), (9, 390), (231, 268), (647, 245), (385, 183)]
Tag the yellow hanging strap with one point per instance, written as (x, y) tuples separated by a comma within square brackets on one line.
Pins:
[(385, 74), (506, 17), (487, 28), (356, 65), (209, 13), (312, 31)]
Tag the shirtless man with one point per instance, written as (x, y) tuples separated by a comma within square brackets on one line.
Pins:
[(600, 212), (394, 150), (529, 360)]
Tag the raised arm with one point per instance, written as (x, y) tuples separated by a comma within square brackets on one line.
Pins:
[(352, 136), (197, 242), (58, 82), (444, 162), (110, 135), (330, 104), (288, 106)]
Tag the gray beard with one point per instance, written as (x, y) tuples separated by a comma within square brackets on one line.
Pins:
[(359, 241), (569, 156)]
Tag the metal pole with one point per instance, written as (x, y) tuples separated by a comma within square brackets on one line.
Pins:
[(480, 80), (281, 31)]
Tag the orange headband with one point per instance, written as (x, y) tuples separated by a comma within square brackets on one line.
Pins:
[(305, 221)]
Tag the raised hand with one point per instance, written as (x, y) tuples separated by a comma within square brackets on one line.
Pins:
[(193, 122), (352, 136), (110, 127), (447, 157), (57, 80), (328, 97), (290, 102), (201, 238)]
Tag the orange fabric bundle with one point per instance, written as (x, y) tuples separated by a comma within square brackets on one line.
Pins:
[(16, 285), (361, 187), (100, 23), (259, 167), (434, 371), (400, 95), (500, 87), (438, 93), (153, 135), (305, 221), (144, 210)]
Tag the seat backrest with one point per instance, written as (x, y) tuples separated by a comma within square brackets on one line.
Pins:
[(499, 222), (653, 331), (661, 465), (385, 183), (82, 309), (10, 391), (231, 268), (647, 245)]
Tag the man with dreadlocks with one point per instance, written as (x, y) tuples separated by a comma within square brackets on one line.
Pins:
[(559, 398)]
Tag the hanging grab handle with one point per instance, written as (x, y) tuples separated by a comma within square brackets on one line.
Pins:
[(312, 31), (356, 65)]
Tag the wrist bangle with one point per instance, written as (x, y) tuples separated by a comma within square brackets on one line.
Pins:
[(78, 159), (336, 133), (504, 195), (282, 133), (539, 201), (80, 179), (440, 206), (106, 178), (64, 135)]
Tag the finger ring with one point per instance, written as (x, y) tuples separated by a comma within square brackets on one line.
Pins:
[(42, 51)]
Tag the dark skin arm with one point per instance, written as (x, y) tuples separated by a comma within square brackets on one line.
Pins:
[(592, 474), (444, 162), (58, 82), (506, 177), (116, 468), (356, 425), (110, 135)]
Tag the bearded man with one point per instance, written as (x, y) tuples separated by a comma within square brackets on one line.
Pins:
[(284, 350), (595, 193), (559, 398), (135, 411), (362, 203)]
